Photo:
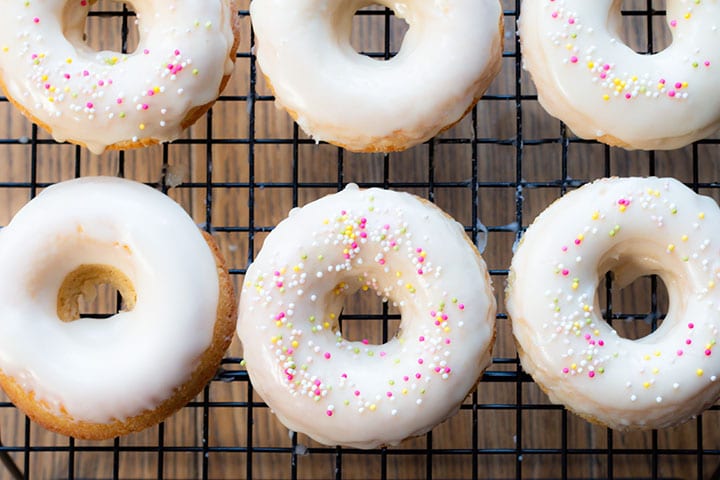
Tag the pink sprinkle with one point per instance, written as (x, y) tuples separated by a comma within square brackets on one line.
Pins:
[(317, 382), (389, 394), (707, 63), (317, 392), (461, 306), (83, 3), (571, 21), (418, 250), (587, 336), (151, 92), (688, 341), (290, 351), (329, 413), (444, 316), (662, 81), (673, 23), (145, 106), (406, 378), (671, 93), (628, 96), (85, 73), (36, 20), (601, 343), (290, 377), (565, 370), (432, 313), (417, 375), (708, 352), (679, 353), (279, 284), (146, 51), (344, 375), (421, 259), (47, 86), (354, 245), (363, 220), (327, 355), (447, 370), (554, 14), (67, 76), (578, 241), (381, 261), (420, 272), (565, 272), (573, 59), (177, 52), (591, 374), (606, 67), (100, 83), (447, 341), (365, 341), (603, 75), (420, 361), (437, 369), (386, 227), (691, 325), (363, 235), (422, 338), (564, 248), (33, 56), (382, 354), (357, 393), (678, 85), (89, 105)]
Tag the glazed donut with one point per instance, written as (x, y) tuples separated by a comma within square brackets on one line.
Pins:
[(588, 78), (106, 99), (632, 227), (344, 392), (100, 378), (448, 58)]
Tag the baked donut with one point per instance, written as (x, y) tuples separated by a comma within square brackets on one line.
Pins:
[(448, 58), (602, 89), (632, 227), (344, 392), (106, 99), (100, 378)]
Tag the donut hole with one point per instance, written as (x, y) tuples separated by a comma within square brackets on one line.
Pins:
[(377, 32), (105, 15), (634, 310), (90, 291), (643, 30), (366, 318)]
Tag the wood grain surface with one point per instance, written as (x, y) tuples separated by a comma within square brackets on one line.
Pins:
[(244, 165)]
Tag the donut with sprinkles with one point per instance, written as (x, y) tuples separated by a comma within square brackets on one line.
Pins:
[(632, 227), (602, 89), (341, 391), (107, 99)]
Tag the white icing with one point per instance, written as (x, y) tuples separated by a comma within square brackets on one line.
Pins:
[(633, 227), (104, 369), (102, 98), (347, 392), (448, 57), (587, 77)]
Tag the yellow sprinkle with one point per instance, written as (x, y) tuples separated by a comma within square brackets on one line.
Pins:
[(326, 325), (655, 370), (573, 366), (373, 407), (699, 372), (646, 384), (621, 208), (591, 65), (684, 238), (687, 16), (296, 268), (295, 344), (657, 353), (6, 48), (586, 307), (596, 332), (606, 97), (404, 391), (156, 89), (670, 247), (141, 126), (646, 357), (701, 215), (68, 60), (595, 215), (711, 284)]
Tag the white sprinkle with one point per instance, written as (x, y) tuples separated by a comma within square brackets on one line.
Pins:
[(633, 398)]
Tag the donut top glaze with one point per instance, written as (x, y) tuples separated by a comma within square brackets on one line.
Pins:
[(632, 227), (101, 98), (98, 370), (578, 47), (407, 252)]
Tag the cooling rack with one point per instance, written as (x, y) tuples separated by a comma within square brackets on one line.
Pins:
[(245, 164)]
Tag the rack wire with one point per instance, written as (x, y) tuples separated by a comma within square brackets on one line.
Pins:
[(245, 165)]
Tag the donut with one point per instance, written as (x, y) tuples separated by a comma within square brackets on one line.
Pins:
[(97, 378), (632, 227), (341, 391), (113, 100), (602, 89), (450, 54)]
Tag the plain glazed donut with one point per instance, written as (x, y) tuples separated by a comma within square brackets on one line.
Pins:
[(99, 378), (106, 99), (633, 227), (340, 391), (448, 58), (602, 89)]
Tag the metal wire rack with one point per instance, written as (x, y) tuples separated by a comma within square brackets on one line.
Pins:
[(245, 165)]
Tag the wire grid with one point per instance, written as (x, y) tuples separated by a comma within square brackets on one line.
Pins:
[(544, 161)]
